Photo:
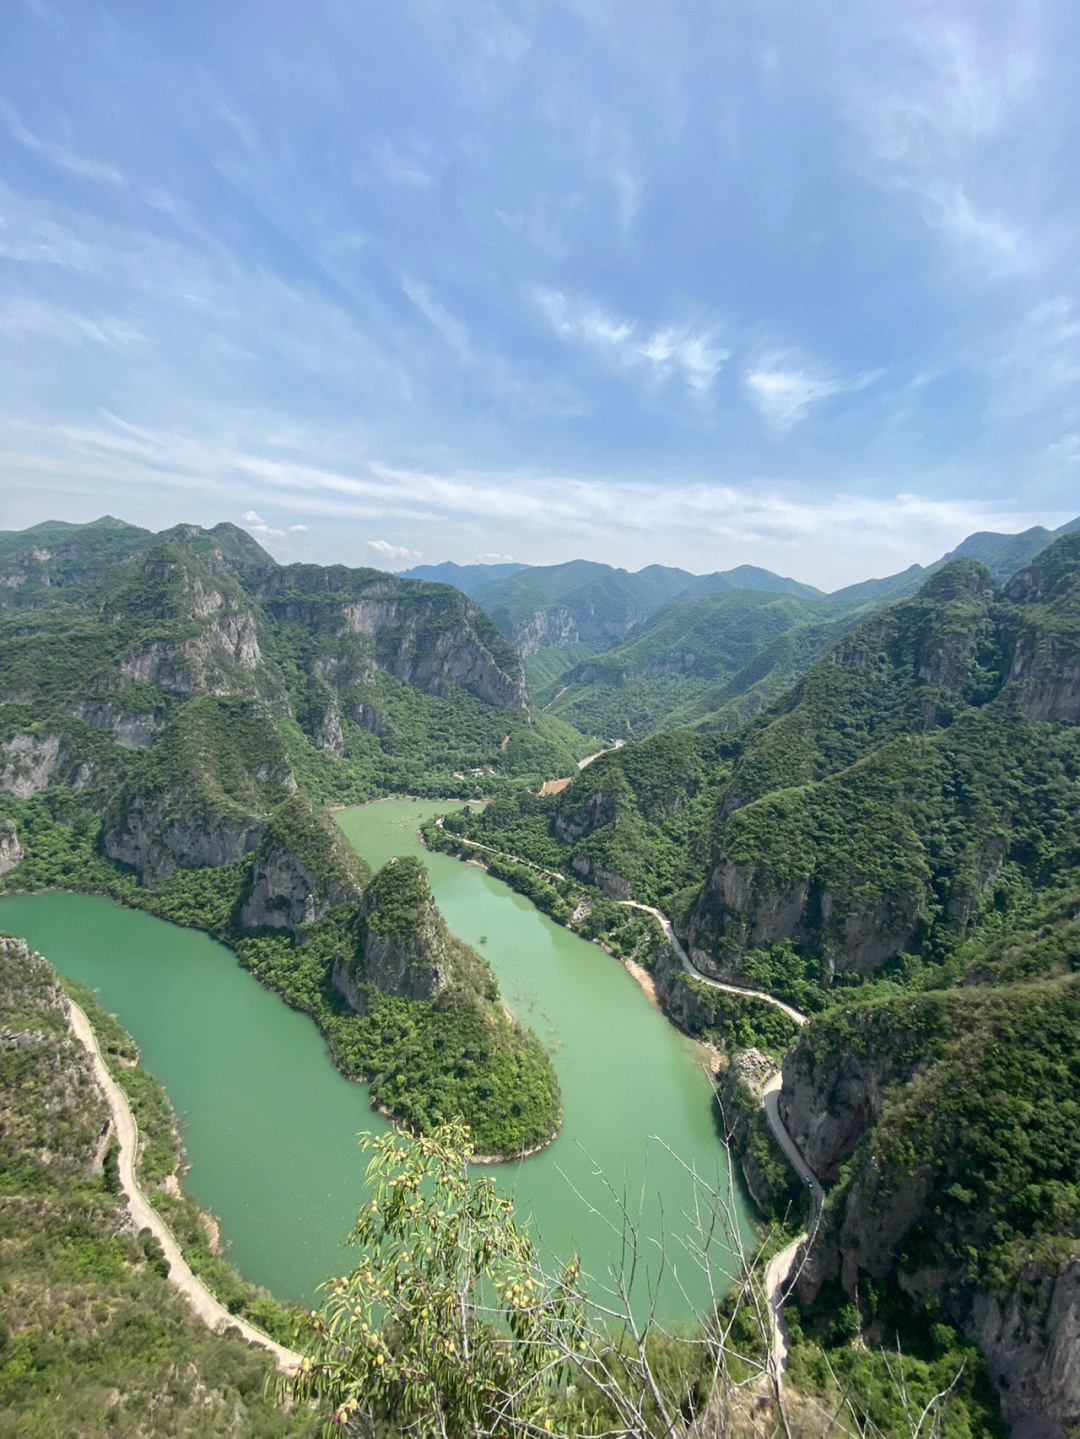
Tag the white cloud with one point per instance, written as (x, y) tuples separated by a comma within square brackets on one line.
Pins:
[(258, 526), (241, 126), (453, 331), (1002, 248), (59, 155), (829, 538), (687, 351), (296, 529), (393, 554), (784, 390), (495, 559)]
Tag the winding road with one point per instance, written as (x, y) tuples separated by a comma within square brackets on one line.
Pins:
[(780, 1265), (687, 964), (590, 757), (144, 1216)]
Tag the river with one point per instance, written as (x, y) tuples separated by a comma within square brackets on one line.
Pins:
[(269, 1125)]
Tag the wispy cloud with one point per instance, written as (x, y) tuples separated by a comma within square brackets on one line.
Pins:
[(400, 169), (57, 154), (1002, 248), (258, 526), (392, 554), (241, 126), (671, 350), (453, 331), (785, 388), (788, 528)]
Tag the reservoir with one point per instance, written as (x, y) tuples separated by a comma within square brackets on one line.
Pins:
[(270, 1125)]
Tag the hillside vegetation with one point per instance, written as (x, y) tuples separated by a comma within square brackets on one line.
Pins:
[(173, 710), (895, 846), (93, 1339)]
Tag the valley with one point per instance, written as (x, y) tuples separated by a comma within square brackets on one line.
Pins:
[(835, 835)]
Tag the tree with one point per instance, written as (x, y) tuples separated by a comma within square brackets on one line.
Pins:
[(449, 1328)]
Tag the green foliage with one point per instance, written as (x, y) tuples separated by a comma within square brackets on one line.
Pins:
[(93, 1340), (445, 1325), (829, 1355), (398, 898)]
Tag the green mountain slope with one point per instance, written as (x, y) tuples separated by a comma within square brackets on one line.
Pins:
[(173, 708), (93, 1339), (893, 846)]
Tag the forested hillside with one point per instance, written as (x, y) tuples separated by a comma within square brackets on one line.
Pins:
[(173, 711), (895, 846), (93, 1340)]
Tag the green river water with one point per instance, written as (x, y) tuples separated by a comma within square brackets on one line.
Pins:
[(270, 1126)]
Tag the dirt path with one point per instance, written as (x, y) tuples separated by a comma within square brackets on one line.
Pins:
[(210, 1310), (781, 1265), (502, 854), (590, 757)]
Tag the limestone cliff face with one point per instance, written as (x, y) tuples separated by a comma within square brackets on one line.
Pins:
[(130, 731), (1031, 1340), (829, 1101), (158, 833), (557, 626), (427, 636), (302, 868), (405, 947), (29, 763), (1044, 674), (1045, 677), (745, 903), (11, 851), (220, 660), (1028, 1329)]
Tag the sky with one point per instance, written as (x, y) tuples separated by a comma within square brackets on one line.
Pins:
[(698, 284)]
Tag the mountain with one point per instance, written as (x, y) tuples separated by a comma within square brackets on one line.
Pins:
[(698, 661), (173, 710), (466, 578), (894, 847), (715, 657), (138, 1361), (1001, 554), (752, 577), (562, 604)]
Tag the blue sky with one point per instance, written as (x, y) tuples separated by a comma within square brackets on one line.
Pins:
[(698, 284)]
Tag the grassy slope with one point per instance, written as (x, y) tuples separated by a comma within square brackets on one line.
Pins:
[(93, 1340)]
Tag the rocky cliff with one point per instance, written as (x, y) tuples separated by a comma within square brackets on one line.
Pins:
[(427, 636), (31, 762), (302, 868), (405, 947), (11, 851), (939, 1120)]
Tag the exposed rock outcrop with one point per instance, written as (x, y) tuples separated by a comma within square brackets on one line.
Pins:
[(302, 868), (30, 763), (1031, 1340), (218, 661), (552, 628), (160, 832), (11, 851), (405, 947), (130, 731)]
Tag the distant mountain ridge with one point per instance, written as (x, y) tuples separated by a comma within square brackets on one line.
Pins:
[(717, 655), (582, 601)]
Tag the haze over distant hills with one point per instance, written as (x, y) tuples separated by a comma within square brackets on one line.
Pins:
[(616, 653)]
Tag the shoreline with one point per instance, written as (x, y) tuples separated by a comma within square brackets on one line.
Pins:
[(202, 1301), (335, 1056)]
